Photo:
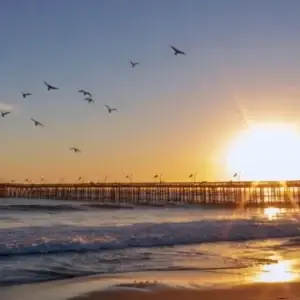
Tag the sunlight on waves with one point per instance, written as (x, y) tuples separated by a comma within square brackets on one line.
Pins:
[(277, 272), (272, 212)]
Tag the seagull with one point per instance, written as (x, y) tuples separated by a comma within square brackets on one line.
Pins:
[(3, 114), (36, 123), (85, 93), (26, 95), (76, 150), (89, 100), (50, 87), (110, 110), (177, 51), (133, 64)]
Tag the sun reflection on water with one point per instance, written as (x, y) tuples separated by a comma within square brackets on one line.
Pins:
[(277, 272), (273, 212)]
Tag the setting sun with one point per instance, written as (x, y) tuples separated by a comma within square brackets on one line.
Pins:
[(268, 151)]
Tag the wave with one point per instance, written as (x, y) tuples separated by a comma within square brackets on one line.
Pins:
[(59, 239), (61, 207), (39, 207)]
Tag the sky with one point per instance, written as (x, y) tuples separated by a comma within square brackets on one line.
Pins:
[(176, 114)]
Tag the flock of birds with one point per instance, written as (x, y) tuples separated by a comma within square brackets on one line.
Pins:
[(88, 97)]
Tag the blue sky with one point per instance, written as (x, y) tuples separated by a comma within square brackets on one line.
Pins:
[(175, 115)]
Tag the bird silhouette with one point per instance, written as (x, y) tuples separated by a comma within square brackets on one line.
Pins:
[(85, 93), (3, 114), (50, 87), (36, 123), (89, 100), (177, 51), (133, 64), (26, 95), (110, 110), (76, 150)]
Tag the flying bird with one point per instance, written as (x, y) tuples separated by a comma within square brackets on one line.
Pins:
[(50, 87), (89, 100), (76, 150), (26, 95), (177, 51), (133, 64), (85, 93), (36, 123), (110, 110), (3, 114)]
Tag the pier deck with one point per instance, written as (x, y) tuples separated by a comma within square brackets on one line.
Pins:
[(229, 193)]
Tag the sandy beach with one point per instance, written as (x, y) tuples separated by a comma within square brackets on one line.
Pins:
[(167, 286), (275, 291)]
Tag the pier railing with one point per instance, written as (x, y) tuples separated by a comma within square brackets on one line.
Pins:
[(228, 193)]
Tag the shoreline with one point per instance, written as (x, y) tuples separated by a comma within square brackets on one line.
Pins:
[(262, 291), (154, 286), (109, 289)]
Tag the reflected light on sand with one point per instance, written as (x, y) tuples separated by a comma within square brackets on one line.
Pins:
[(272, 212), (279, 272)]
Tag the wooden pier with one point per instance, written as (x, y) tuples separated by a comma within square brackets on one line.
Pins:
[(231, 193)]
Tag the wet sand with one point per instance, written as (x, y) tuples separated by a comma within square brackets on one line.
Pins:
[(272, 291), (154, 286)]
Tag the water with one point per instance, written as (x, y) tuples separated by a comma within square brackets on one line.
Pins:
[(44, 240)]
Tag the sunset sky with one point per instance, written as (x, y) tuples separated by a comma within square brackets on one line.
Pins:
[(176, 114)]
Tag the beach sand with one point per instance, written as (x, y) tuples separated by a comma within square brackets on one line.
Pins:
[(154, 286), (271, 291)]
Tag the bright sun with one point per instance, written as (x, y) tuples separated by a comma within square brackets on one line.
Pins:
[(267, 151)]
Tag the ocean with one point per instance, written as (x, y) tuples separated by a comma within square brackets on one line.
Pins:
[(43, 240)]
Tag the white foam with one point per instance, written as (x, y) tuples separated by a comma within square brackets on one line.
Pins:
[(33, 240)]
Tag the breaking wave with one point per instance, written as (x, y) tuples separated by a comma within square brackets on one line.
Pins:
[(59, 239)]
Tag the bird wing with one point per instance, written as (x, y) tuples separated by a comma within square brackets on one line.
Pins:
[(5, 113), (107, 106), (50, 86), (81, 91), (114, 109), (88, 93), (36, 122), (176, 50)]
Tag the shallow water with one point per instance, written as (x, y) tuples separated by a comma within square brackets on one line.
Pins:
[(44, 240)]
